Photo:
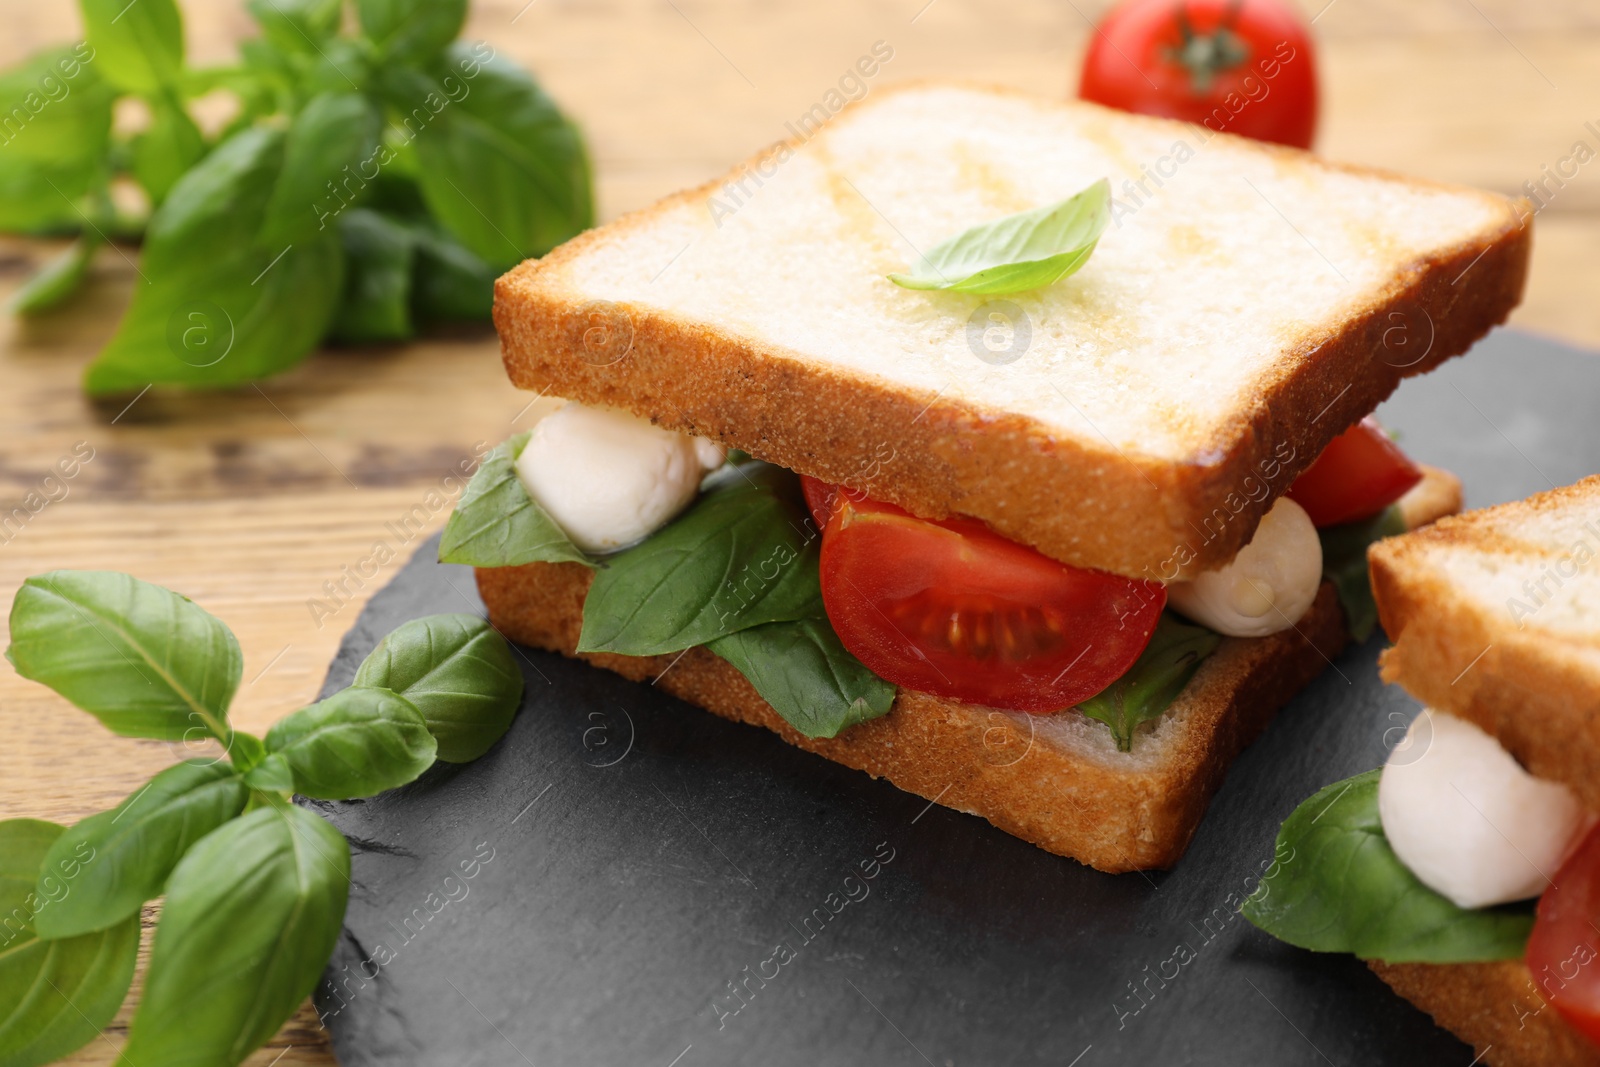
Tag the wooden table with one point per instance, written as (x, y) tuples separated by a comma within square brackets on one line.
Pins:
[(249, 501)]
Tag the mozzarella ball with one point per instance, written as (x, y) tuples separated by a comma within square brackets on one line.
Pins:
[(609, 479), (1269, 585), (1467, 820)]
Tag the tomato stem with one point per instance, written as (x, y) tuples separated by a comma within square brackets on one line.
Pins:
[(1205, 55)]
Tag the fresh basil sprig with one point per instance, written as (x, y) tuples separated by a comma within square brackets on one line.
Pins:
[(256, 887), (461, 162), (1344, 563), (497, 524), (1018, 253), (1149, 687), (1342, 889), (37, 1023), (741, 556)]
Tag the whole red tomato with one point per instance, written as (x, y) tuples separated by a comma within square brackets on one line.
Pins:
[(1234, 66)]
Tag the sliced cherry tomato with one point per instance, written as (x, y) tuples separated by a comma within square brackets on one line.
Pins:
[(1234, 66), (1564, 951), (819, 498), (1361, 472), (950, 607)]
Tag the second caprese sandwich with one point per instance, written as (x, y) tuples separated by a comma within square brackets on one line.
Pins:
[(1467, 871)]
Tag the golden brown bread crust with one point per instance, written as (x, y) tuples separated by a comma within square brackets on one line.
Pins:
[(1494, 1007), (1095, 810), (1542, 706), (1132, 515)]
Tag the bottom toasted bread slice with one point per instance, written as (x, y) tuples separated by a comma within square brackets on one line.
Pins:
[(1494, 1007), (1057, 780)]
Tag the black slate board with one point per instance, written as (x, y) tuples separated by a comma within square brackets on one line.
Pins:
[(631, 856)]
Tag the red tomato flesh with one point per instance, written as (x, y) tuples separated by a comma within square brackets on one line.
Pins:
[(1563, 951), (1234, 67), (950, 607), (819, 498), (1361, 472)]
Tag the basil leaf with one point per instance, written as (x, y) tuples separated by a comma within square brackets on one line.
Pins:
[(501, 167), (1028, 250), (220, 308), (1344, 563), (377, 286), (296, 25), (458, 672), (1174, 653), (138, 46), (272, 774), (245, 751), (252, 916), (55, 996), (808, 677), (411, 30), (497, 524), (56, 139), (449, 283), (171, 145), (1342, 889), (122, 857), (739, 557), (328, 142), (143, 660), (57, 279), (357, 743)]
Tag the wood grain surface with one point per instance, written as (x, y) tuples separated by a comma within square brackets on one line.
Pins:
[(249, 501)]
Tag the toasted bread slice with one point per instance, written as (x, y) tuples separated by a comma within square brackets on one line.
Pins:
[(1250, 303), (1494, 1007), (1055, 780), (1495, 617)]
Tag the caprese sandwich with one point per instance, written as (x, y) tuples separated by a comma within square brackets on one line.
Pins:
[(1053, 559)]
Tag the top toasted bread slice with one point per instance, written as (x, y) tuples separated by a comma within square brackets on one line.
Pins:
[(1246, 305), (1495, 616)]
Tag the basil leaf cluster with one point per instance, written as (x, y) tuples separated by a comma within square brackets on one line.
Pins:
[(370, 184), (742, 555), (1149, 687), (736, 573), (255, 887), (1340, 888), (1017, 253)]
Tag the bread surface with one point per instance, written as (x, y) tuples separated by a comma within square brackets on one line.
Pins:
[(1231, 322), (1496, 1008), (1495, 617), (1055, 780)]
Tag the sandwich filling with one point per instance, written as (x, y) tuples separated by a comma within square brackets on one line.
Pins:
[(827, 599), (1439, 858)]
